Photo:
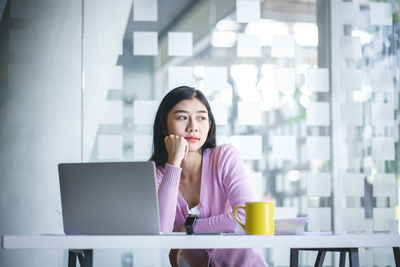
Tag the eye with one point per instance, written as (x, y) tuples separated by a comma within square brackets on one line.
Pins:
[(181, 118), (202, 118)]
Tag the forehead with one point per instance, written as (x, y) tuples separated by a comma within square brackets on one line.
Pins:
[(190, 105)]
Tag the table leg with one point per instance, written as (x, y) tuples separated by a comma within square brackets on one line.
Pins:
[(353, 256), (85, 258), (396, 253), (71, 259), (88, 258), (320, 258), (342, 259), (81, 259), (294, 257)]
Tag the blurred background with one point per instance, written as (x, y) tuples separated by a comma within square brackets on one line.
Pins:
[(307, 90)]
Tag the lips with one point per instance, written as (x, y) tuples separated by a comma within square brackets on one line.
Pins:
[(192, 139)]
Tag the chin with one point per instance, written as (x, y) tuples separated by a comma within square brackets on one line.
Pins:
[(194, 148)]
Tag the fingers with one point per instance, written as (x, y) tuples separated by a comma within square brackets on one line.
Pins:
[(174, 139), (176, 147)]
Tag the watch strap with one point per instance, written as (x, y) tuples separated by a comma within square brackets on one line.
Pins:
[(190, 223)]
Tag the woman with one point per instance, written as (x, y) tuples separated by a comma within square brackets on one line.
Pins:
[(196, 178)]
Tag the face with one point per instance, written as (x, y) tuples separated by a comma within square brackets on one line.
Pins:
[(189, 119)]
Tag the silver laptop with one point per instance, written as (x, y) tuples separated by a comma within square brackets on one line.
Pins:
[(117, 198)]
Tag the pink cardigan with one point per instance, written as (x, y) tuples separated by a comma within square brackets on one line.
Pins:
[(224, 185)]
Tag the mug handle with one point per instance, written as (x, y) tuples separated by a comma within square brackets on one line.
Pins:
[(235, 215)]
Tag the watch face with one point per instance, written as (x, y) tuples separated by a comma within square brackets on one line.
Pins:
[(190, 221)]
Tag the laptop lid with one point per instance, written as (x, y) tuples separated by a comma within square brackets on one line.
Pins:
[(113, 198)]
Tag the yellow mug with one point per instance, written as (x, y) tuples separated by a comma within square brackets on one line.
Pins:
[(259, 218)]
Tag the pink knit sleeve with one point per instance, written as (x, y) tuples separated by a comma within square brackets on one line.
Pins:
[(223, 223), (167, 188), (237, 187)]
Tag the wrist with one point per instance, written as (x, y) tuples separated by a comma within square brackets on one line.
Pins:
[(190, 223), (175, 162)]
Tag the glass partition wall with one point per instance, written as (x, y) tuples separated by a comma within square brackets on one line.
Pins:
[(40, 118), (365, 120), (306, 90)]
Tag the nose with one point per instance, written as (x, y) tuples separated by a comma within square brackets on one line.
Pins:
[(192, 126)]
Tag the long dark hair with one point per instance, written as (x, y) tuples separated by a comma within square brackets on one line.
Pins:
[(160, 154)]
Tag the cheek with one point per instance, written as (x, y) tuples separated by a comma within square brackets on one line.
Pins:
[(170, 127), (174, 127), (205, 130)]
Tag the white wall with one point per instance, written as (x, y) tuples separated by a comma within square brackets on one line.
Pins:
[(40, 111)]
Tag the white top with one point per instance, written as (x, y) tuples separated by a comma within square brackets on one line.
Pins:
[(181, 240), (194, 211)]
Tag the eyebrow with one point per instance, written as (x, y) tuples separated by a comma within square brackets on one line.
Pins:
[(184, 111)]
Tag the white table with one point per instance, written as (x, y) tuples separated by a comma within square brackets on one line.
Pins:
[(82, 246)]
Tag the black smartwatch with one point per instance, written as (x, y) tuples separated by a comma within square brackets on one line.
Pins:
[(190, 223)]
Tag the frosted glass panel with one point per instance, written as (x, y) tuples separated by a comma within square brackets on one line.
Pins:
[(110, 77), (349, 13), (319, 184), (247, 10), (382, 114), (248, 45), (112, 112), (249, 113), (110, 147), (283, 46), (384, 185), (220, 112), (179, 76), (380, 13), (144, 112), (142, 147), (350, 47), (317, 80), (317, 114), (353, 184), (318, 148), (180, 44), (319, 219), (383, 257), (250, 147), (285, 79), (382, 80), (384, 219), (350, 80), (351, 114), (145, 43), (383, 148), (284, 147), (215, 78), (353, 219), (285, 212), (145, 10)]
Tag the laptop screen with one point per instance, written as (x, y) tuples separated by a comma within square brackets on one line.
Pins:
[(113, 198)]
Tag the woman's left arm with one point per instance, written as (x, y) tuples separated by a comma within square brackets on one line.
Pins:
[(237, 189)]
